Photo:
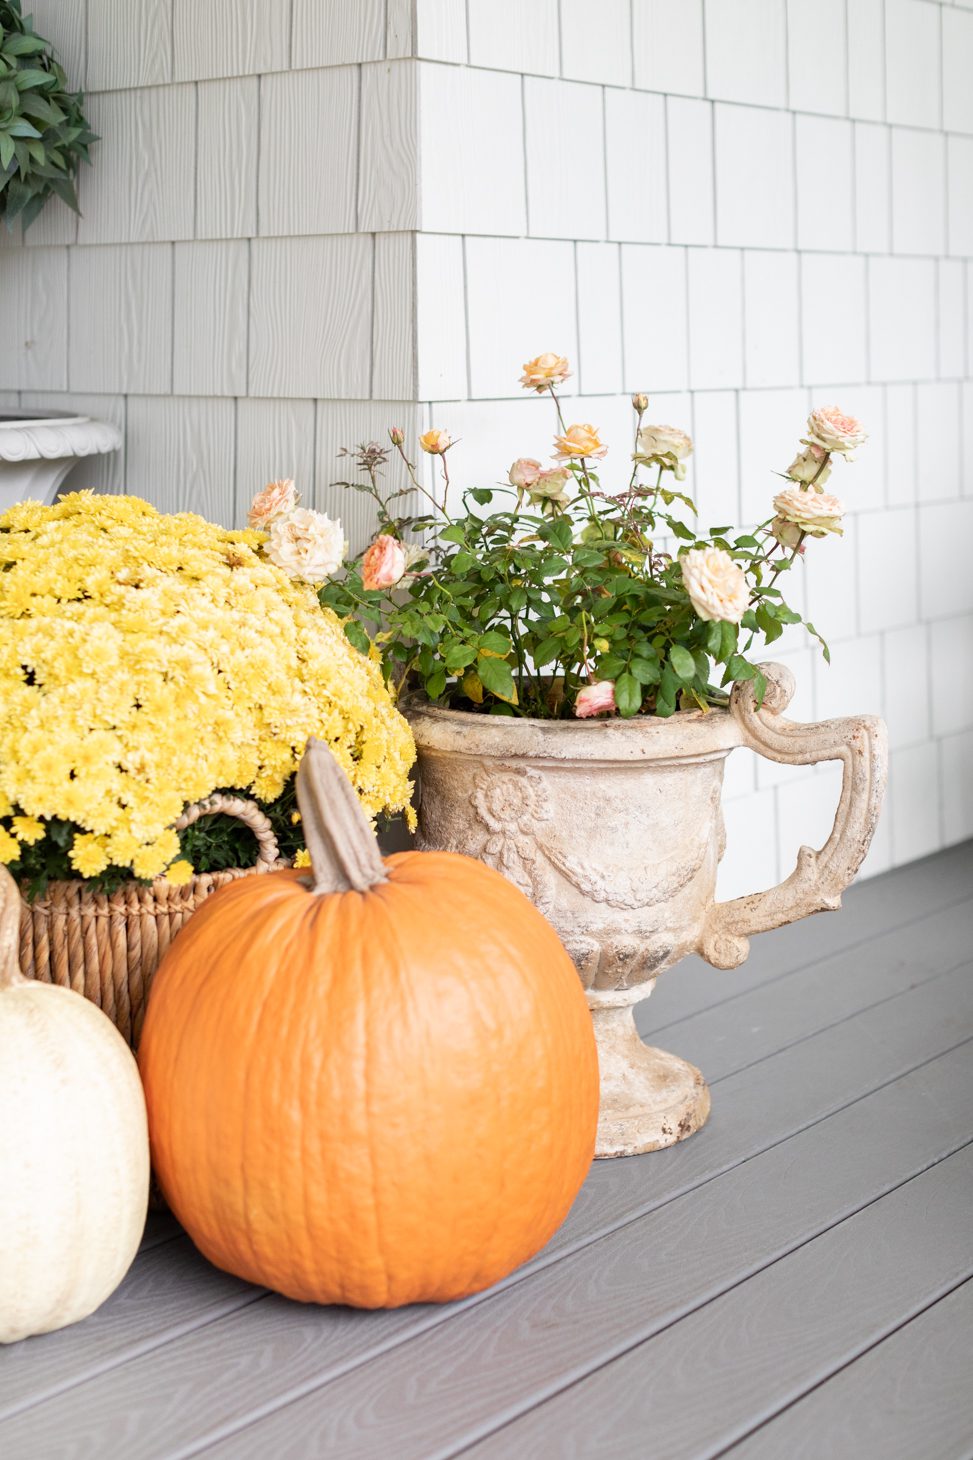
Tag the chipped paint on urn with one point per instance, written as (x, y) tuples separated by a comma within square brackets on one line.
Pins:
[(614, 830)]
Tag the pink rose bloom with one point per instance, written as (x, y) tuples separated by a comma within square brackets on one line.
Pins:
[(831, 428), (595, 699), (276, 499), (384, 563), (524, 473)]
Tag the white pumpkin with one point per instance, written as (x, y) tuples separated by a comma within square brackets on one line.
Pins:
[(74, 1152)]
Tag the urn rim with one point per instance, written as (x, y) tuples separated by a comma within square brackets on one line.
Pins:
[(686, 735)]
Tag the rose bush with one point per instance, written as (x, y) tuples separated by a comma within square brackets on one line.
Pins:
[(574, 598)]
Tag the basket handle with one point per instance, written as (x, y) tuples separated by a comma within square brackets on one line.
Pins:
[(268, 854)]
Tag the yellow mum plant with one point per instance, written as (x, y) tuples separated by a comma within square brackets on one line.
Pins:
[(147, 661)]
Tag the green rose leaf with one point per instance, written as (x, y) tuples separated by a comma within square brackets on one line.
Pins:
[(497, 677), (628, 695), (495, 642), (435, 683), (682, 662)]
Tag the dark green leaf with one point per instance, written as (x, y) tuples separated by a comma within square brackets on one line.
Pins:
[(646, 671), (628, 695), (546, 652), (356, 635)]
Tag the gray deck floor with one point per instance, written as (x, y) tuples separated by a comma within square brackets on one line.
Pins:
[(794, 1281)]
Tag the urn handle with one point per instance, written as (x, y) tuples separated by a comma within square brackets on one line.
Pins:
[(820, 877)]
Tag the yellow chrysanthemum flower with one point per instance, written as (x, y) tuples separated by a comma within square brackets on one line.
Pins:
[(302, 858), (27, 828), (179, 872), (88, 855), (148, 660)]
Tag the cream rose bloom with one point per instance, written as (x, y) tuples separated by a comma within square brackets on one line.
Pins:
[(665, 446), (717, 586), (544, 371), (829, 427), (435, 442), (276, 499), (579, 440), (810, 466), (551, 486), (813, 512), (665, 441), (307, 545)]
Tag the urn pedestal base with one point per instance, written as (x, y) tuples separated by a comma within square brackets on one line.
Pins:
[(649, 1098)]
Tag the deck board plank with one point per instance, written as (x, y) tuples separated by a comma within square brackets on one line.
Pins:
[(418, 1401), (169, 1289), (827, 1013), (703, 1383), (763, 1105), (727, 1036), (910, 1396), (870, 910)]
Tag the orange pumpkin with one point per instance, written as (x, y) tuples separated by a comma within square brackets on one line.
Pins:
[(373, 1085)]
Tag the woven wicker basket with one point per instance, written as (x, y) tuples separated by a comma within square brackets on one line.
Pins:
[(108, 946)]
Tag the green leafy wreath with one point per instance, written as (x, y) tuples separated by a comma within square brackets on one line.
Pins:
[(43, 131)]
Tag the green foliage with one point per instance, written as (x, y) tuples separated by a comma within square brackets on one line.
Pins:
[(512, 610), (43, 131)]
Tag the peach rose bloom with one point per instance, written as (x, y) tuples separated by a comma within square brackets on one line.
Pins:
[(717, 586), (384, 563), (276, 499), (595, 699), (435, 442), (831, 428), (544, 371), (581, 440), (524, 473)]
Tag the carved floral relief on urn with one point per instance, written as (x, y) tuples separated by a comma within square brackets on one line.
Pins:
[(614, 830)]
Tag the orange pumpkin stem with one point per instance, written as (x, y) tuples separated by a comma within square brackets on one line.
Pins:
[(344, 852), (10, 973)]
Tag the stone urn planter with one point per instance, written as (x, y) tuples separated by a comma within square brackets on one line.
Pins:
[(38, 451), (614, 829)]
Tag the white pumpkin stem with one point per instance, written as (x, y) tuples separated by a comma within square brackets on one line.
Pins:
[(10, 973), (342, 845)]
